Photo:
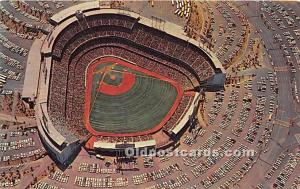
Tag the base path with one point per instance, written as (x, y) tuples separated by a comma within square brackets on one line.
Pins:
[(128, 80)]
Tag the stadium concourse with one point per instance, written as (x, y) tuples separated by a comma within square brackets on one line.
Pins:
[(109, 79)]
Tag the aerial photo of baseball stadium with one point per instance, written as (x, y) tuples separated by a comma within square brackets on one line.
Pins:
[(149, 94)]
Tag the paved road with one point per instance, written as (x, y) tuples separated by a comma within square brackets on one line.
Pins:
[(282, 137), (287, 107), (21, 119)]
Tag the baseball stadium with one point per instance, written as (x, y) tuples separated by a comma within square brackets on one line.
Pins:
[(110, 78)]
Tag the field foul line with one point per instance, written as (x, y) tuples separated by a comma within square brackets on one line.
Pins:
[(119, 71)]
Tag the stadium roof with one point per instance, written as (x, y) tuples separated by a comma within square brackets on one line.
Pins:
[(32, 70), (70, 11), (141, 144)]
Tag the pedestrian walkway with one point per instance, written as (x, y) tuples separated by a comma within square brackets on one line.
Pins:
[(281, 69), (281, 123), (11, 118)]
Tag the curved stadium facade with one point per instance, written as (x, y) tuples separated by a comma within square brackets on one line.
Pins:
[(110, 78)]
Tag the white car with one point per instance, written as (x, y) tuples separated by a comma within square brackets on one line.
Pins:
[(6, 92)]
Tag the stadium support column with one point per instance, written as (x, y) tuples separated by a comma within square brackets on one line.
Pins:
[(158, 23), (82, 20)]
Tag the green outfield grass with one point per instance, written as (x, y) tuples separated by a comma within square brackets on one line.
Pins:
[(141, 108)]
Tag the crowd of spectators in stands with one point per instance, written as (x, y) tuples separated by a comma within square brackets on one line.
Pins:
[(184, 103), (123, 139), (78, 46), (141, 35)]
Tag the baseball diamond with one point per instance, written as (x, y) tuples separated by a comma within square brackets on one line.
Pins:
[(125, 100)]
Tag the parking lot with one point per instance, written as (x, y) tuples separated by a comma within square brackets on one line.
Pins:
[(258, 109)]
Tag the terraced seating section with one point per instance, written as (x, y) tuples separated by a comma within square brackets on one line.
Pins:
[(125, 27)]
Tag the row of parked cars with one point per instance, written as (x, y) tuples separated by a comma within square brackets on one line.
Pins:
[(11, 62), (3, 79), (16, 145), (275, 166), (291, 18), (89, 182), (222, 171), (257, 121), (22, 133), (244, 114), (16, 22), (189, 140), (265, 137), (155, 175), (17, 156), (286, 172), (12, 47), (231, 26), (6, 92), (95, 168), (148, 161), (177, 182), (59, 176), (230, 109), (290, 39), (216, 107), (9, 184), (289, 15), (44, 185), (296, 183), (13, 4), (212, 159), (183, 7), (192, 139), (272, 78), (239, 175), (233, 32), (207, 145)]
